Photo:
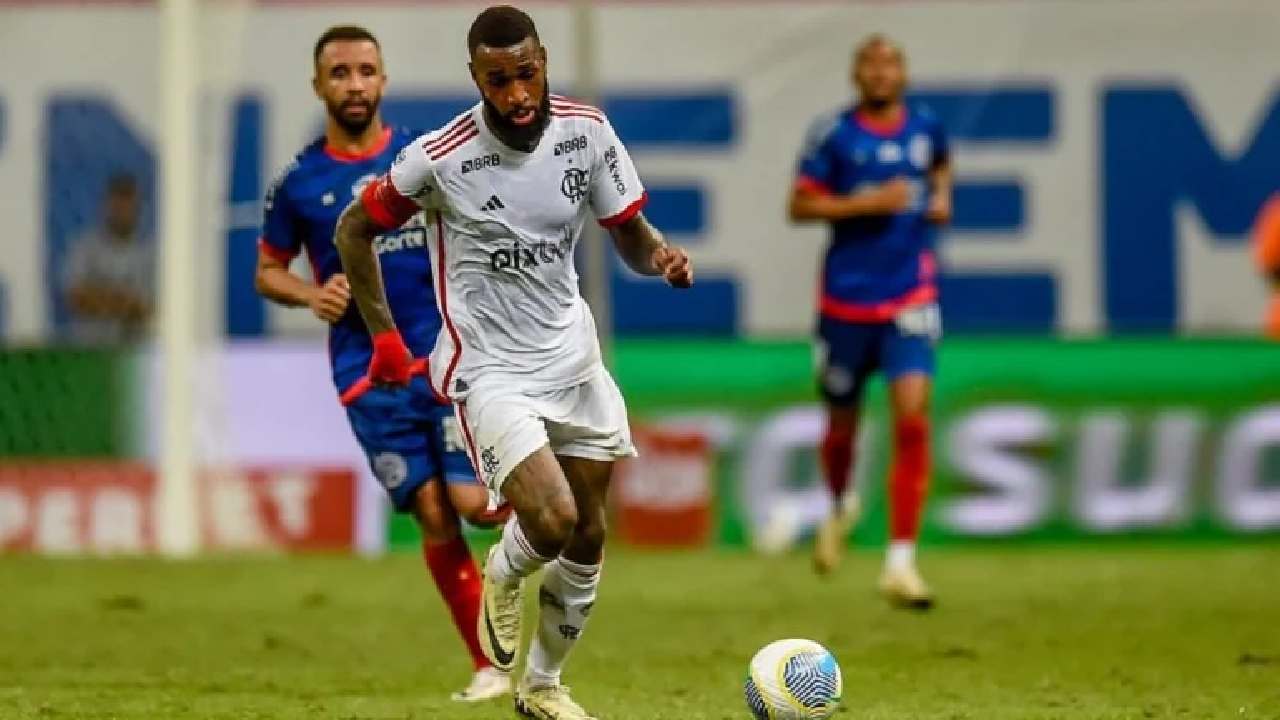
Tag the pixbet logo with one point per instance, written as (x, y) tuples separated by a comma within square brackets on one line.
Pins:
[(522, 257)]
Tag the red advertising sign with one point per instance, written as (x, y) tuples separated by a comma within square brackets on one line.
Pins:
[(664, 498), (107, 507)]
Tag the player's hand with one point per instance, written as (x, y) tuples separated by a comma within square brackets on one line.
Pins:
[(892, 197), (939, 209), (392, 362), (674, 265), (329, 303)]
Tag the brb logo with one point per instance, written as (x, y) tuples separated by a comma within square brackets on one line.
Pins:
[(574, 184)]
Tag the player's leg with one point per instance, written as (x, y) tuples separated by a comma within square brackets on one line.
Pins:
[(457, 577), (394, 428), (909, 366), (846, 354), (543, 517), (569, 587), (507, 441), (589, 431)]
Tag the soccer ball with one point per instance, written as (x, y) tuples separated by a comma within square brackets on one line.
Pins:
[(793, 680)]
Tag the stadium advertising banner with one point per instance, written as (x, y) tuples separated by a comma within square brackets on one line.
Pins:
[(1102, 190), (1035, 439)]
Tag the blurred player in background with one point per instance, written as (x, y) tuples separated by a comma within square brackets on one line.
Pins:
[(409, 436), (1266, 251), (879, 173), (508, 187), (108, 281)]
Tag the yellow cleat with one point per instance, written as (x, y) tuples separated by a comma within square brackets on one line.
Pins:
[(549, 702), (498, 626), (904, 588), (487, 684), (833, 536)]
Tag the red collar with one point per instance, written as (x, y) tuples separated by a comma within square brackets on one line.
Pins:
[(374, 150), (882, 127)]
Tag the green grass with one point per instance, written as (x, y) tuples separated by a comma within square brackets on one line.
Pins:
[(1112, 631)]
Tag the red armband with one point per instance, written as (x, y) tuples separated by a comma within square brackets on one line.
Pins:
[(385, 205)]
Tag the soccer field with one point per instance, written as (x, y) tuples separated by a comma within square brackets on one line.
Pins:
[(1107, 631)]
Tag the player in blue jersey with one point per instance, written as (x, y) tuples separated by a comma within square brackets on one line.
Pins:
[(879, 173), (410, 437)]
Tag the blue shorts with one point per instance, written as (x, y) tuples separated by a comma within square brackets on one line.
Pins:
[(848, 353), (409, 438)]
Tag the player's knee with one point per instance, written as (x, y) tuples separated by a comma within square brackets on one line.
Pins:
[(553, 525)]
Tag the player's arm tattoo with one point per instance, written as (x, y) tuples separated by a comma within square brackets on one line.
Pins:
[(354, 237), (636, 240)]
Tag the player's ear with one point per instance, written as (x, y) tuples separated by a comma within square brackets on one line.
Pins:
[(315, 85)]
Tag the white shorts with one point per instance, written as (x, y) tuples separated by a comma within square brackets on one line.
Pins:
[(503, 425)]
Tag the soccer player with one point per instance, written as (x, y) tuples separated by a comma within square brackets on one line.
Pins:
[(507, 187), (410, 437), (879, 174)]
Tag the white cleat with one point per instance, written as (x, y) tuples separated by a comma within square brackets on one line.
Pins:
[(904, 588), (487, 684), (549, 702), (498, 626), (833, 535)]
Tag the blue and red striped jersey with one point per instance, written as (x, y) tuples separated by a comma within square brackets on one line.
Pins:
[(874, 266), (301, 211)]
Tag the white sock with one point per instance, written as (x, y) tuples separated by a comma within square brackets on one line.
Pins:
[(902, 555), (565, 600), (516, 559)]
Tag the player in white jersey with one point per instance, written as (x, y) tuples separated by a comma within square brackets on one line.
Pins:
[(507, 188)]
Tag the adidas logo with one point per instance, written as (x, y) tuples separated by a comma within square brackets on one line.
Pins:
[(495, 203)]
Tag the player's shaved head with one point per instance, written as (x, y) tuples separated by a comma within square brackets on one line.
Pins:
[(877, 42), (879, 71), (501, 26), (509, 67)]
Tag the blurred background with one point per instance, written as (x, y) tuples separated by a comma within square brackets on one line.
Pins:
[(1105, 370)]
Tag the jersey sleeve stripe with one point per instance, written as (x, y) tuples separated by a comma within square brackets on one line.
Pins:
[(385, 205), (280, 255), (457, 142), (575, 106), (565, 113), (627, 213), (457, 129), (813, 186), (562, 100)]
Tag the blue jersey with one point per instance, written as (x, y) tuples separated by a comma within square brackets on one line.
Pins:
[(875, 265), (301, 211)]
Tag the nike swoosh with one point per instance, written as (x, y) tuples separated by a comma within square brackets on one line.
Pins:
[(504, 659)]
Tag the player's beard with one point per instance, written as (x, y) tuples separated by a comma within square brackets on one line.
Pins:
[(354, 127), (520, 137)]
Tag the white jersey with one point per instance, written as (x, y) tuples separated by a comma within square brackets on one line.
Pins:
[(505, 225)]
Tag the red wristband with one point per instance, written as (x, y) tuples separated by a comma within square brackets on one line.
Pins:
[(391, 358)]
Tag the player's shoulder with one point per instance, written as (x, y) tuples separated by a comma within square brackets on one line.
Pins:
[(827, 126), (568, 109), (303, 165), (434, 145), (924, 116), (570, 117)]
